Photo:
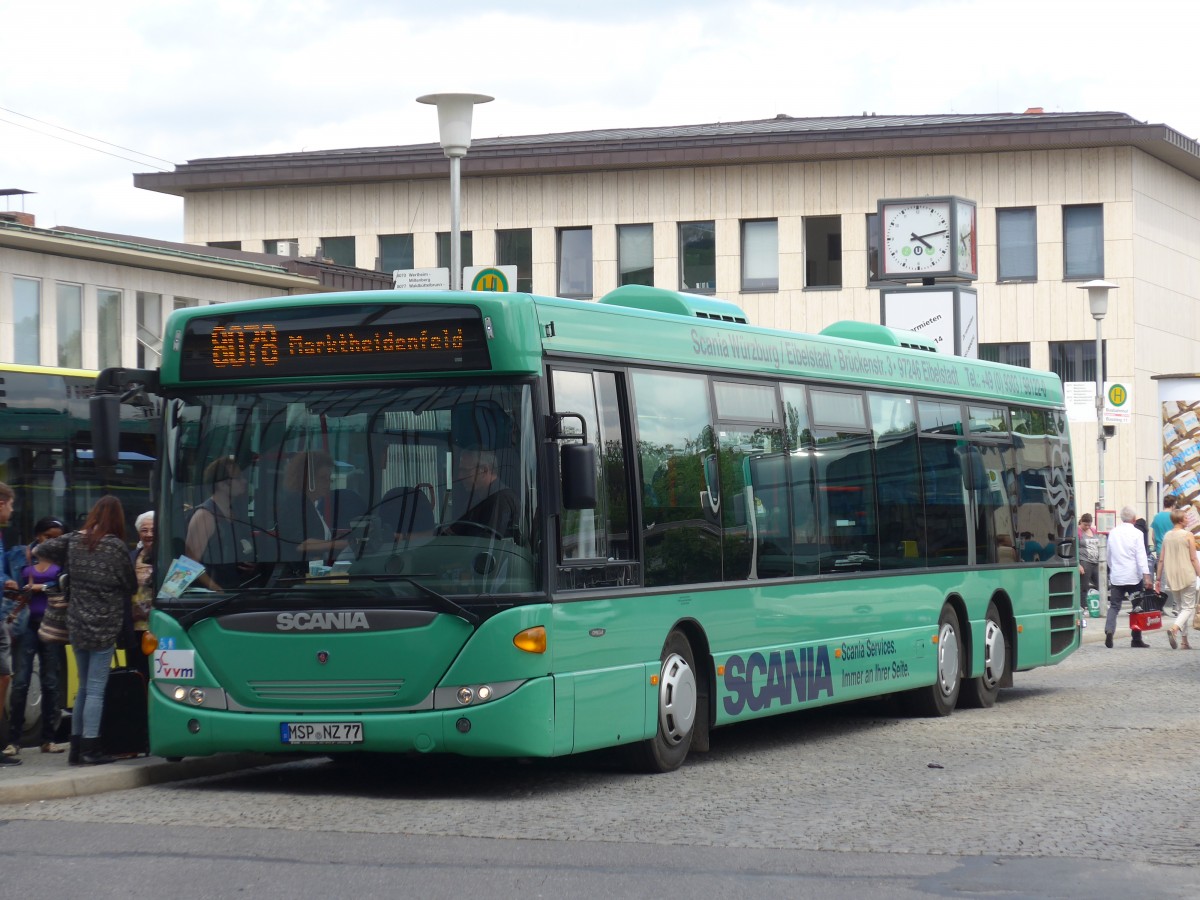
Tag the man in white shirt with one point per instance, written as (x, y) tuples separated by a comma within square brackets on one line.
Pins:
[(1128, 571)]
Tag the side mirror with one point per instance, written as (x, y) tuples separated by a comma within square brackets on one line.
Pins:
[(105, 412), (578, 472), (1066, 549)]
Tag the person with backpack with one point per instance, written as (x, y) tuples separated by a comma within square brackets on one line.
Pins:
[(100, 582)]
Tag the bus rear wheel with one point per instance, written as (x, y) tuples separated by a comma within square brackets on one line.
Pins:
[(981, 692), (939, 698), (677, 707)]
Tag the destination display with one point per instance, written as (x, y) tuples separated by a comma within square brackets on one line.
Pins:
[(333, 340)]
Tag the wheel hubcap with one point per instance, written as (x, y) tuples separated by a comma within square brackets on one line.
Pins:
[(948, 660), (676, 699), (994, 654)]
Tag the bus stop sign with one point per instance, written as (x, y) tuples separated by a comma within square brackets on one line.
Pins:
[(491, 278)]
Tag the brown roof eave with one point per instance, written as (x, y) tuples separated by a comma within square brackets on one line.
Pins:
[(542, 158)]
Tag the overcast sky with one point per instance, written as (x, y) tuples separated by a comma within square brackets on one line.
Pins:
[(91, 92)]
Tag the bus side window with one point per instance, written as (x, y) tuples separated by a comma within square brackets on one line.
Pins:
[(674, 433), (601, 533)]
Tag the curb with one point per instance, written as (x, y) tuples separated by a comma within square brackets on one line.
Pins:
[(80, 781)]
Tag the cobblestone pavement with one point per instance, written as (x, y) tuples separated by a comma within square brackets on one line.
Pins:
[(1094, 758)]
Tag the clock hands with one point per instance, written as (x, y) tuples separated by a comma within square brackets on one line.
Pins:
[(921, 237)]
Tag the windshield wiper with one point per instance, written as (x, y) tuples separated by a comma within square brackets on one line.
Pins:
[(441, 600), (188, 619)]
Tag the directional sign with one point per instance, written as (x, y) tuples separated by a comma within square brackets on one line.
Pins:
[(421, 279)]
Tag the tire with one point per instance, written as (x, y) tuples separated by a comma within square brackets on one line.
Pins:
[(980, 693), (940, 698), (677, 710)]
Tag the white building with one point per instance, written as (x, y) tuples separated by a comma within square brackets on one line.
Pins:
[(86, 299)]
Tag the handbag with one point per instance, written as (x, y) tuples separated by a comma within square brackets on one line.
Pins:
[(53, 627)]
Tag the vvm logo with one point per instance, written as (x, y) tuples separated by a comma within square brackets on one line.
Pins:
[(178, 664), (793, 676)]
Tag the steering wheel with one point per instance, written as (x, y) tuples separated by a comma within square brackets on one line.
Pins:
[(486, 530)]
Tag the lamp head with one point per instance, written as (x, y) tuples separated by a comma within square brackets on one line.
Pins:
[(1097, 297), (454, 119)]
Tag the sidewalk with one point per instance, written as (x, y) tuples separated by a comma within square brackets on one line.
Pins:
[(46, 776)]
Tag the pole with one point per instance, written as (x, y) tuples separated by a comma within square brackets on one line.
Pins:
[(455, 224), (1100, 439)]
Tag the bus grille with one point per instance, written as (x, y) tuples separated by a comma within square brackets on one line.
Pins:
[(341, 691)]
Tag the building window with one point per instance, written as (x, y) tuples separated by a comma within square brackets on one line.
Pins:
[(70, 325), (635, 254), (149, 330), (108, 327), (698, 257), (1083, 241), (1016, 244), (443, 249), (27, 321), (282, 246), (1009, 354), (226, 245), (1076, 360), (575, 262), (760, 255), (340, 250), (874, 248), (514, 247), (823, 251), (395, 252), (185, 302)]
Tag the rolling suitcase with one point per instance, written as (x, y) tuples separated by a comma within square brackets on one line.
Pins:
[(124, 724)]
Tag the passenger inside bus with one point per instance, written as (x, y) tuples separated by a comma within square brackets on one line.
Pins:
[(215, 532)]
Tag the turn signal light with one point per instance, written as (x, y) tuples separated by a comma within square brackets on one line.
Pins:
[(531, 640), (149, 642)]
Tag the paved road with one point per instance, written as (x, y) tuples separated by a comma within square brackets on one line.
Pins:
[(1091, 763)]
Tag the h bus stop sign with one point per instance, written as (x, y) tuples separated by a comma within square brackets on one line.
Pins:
[(490, 278)]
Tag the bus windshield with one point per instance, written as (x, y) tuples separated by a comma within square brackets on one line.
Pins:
[(351, 493)]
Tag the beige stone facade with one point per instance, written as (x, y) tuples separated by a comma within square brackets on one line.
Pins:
[(1146, 178)]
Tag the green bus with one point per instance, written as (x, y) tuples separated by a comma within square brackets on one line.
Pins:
[(687, 521), (46, 449)]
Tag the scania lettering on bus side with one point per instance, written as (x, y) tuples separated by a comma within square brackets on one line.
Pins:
[(793, 676)]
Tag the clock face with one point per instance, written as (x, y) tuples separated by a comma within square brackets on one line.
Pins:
[(916, 237), (966, 237)]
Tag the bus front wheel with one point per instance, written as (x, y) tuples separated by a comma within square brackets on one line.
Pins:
[(677, 705), (981, 692), (940, 697)]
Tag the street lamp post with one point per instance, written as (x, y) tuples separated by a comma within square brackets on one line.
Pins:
[(454, 127), (1098, 304)]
